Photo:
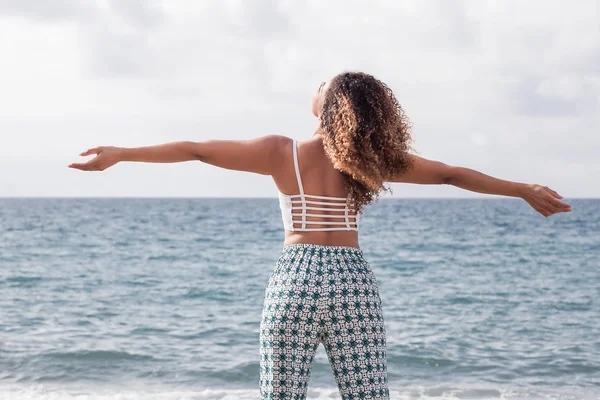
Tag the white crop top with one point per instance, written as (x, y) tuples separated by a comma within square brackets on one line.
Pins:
[(297, 210)]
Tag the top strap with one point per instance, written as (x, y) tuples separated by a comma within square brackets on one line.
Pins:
[(300, 187)]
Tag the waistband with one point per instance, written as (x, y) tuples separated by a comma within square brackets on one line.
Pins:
[(321, 250), (322, 260)]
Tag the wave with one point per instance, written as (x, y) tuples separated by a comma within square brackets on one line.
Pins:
[(146, 392), (97, 355)]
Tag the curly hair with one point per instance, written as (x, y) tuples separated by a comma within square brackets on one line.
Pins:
[(366, 135)]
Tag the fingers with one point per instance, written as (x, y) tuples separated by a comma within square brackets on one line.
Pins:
[(559, 205), (546, 213), (550, 209), (88, 166), (91, 165), (549, 202), (80, 166), (95, 150), (553, 193), (544, 210), (554, 204)]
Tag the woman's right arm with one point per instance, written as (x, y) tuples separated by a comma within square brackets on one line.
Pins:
[(262, 155), (541, 198)]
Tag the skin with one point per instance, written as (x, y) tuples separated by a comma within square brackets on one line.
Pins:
[(272, 155)]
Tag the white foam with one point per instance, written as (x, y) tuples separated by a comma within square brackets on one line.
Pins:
[(143, 391)]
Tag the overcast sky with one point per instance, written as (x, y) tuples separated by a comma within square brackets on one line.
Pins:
[(508, 87)]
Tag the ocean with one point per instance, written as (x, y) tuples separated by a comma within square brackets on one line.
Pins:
[(161, 298)]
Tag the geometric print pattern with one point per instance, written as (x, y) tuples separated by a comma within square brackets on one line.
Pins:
[(329, 295)]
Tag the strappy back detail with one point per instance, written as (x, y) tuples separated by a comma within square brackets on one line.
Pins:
[(296, 209)]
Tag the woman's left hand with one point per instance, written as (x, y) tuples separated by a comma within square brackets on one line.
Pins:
[(106, 156), (544, 200)]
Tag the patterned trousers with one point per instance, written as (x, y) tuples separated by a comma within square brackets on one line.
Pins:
[(322, 294)]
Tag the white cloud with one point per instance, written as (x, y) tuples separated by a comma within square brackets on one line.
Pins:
[(507, 87), (57, 10)]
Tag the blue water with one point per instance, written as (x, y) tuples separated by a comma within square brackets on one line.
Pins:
[(161, 298)]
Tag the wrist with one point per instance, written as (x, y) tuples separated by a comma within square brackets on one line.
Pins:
[(122, 153), (522, 189)]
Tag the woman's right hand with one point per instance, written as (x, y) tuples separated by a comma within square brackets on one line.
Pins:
[(544, 200), (106, 156)]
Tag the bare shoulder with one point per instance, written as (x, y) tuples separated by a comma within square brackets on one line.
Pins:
[(277, 145), (270, 146), (276, 149)]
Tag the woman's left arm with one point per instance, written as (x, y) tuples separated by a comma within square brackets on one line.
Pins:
[(262, 155), (541, 198)]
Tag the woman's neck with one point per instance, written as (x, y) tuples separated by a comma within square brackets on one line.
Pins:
[(318, 130)]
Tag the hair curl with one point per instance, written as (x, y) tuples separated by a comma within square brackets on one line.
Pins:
[(366, 135)]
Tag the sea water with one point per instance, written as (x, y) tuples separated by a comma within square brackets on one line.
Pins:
[(161, 298)]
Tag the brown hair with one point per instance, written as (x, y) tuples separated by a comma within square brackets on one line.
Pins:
[(366, 135)]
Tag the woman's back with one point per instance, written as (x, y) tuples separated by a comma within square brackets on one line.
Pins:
[(321, 215)]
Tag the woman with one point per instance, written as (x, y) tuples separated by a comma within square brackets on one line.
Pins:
[(322, 290)]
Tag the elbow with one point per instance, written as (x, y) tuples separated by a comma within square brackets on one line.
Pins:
[(194, 150), (199, 157), (449, 175)]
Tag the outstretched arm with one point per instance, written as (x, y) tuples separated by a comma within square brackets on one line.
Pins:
[(261, 155), (543, 199)]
